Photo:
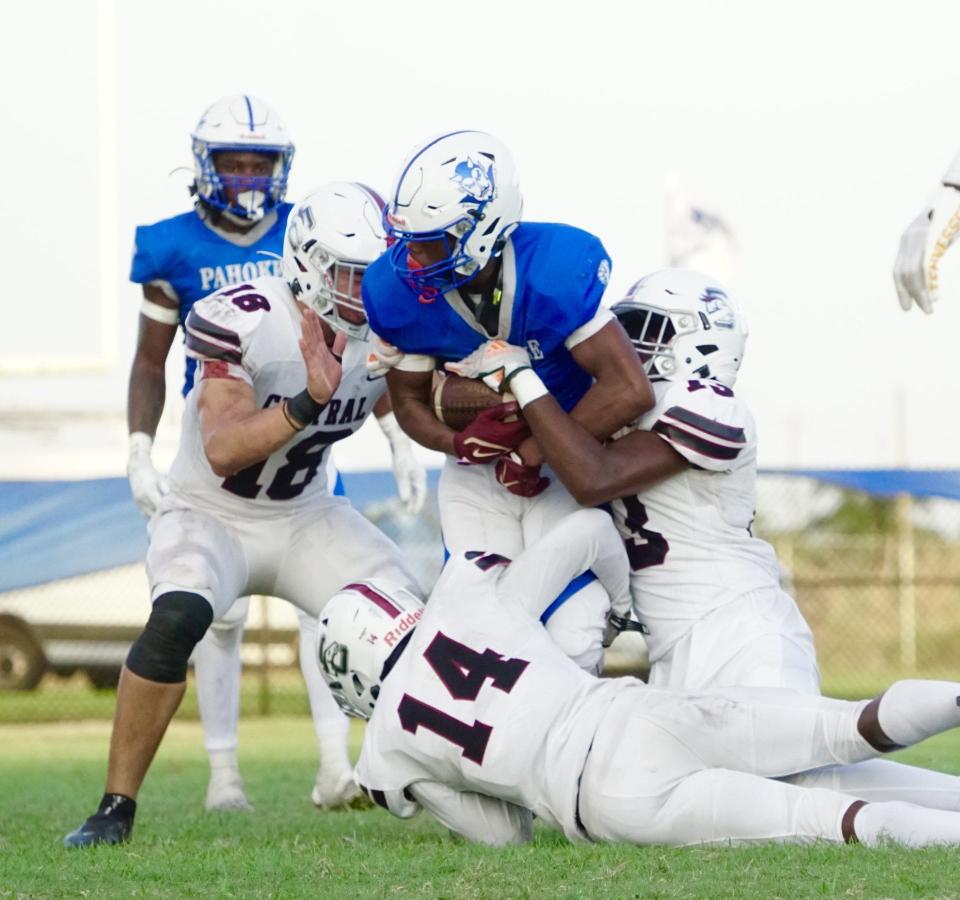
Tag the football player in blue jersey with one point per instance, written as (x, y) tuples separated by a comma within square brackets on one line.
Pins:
[(242, 154), (465, 269)]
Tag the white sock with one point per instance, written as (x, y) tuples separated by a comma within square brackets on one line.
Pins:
[(913, 710), (334, 750), (904, 823), (217, 675), (328, 719), (223, 759)]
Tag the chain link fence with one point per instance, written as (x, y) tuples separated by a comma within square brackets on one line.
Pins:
[(877, 579)]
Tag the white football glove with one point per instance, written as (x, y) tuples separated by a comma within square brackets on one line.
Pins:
[(495, 362), (410, 475), (382, 357), (909, 271), (146, 484)]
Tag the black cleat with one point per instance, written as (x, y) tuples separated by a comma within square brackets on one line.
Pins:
[(112, 823)]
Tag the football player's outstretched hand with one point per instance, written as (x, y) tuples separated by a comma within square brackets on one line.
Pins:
[(909, 271), (492, 433), (496, 362), (322, 362)]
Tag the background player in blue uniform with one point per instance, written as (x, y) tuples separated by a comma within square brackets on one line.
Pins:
[(466, 269), (242, 154)]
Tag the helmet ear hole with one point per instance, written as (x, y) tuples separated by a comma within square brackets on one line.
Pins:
[(707, 349)]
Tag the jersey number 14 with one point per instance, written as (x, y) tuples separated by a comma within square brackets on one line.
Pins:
[(463, 672)]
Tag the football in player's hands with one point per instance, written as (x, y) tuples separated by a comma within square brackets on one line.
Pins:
[(457, 401)]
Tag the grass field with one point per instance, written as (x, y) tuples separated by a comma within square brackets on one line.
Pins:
[(51, 778)]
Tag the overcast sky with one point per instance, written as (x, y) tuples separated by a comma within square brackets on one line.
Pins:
[(817, 130)]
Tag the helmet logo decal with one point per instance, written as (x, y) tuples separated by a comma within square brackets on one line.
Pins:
[(717, 307), (477, 182), (603, 272), (333, 657)]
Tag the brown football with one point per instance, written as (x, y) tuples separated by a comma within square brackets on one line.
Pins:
[(458, 400)]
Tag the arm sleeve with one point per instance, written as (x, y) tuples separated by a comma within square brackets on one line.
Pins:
[(475, 817), (214, 336), (705, 424), (586, 539)]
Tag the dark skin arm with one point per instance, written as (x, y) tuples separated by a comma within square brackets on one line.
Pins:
[(596, 473), (410, 394), (620, 394), (148, 386)]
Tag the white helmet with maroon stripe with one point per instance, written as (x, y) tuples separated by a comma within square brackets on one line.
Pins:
[(332, 235), (360, 627), (684, 325)]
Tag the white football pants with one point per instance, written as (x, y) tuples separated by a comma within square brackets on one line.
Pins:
[(476, 513)]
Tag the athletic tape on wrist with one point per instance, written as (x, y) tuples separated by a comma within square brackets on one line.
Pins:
[(526, 386)]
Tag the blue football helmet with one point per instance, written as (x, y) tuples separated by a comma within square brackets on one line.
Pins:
[(460, 187), (241, 123)]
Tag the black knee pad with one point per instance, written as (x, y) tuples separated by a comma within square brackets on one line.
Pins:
[(177, 622)]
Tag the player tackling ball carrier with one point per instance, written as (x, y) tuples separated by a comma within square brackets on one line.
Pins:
[(478, 717), (282, 376), (681, 485), (465, 269)]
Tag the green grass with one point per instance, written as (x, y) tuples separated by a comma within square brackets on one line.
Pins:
[(51, 777)]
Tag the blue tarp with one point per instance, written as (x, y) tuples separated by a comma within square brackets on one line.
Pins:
[(885, 482), (57, 529)]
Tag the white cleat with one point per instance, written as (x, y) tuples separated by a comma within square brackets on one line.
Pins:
[(334, 787), (225, 792)]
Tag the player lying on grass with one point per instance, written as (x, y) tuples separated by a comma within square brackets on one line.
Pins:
[(249, 508), (682, 489), (476, 716)]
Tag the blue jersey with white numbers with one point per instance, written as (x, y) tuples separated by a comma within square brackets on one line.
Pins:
[(553, 278), (194, 260)]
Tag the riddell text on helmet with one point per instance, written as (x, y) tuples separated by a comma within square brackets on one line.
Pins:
[(402, 627)]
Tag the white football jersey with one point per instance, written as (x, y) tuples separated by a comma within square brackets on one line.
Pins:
[(482, 701), (688, 538), (251, 332)]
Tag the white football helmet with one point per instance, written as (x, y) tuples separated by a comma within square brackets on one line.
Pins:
[(461, 186), (360, 627), (332, 236), (240, 123), (684, 325)]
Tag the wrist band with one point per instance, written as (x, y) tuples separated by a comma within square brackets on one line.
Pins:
[(526, 386), (293, 423)]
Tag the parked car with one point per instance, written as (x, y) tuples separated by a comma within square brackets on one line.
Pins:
[(88, 623)]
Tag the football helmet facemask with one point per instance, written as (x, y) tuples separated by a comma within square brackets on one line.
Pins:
[(684, 325), (360, 627), (246, 124), (462, 188), (332, 236)]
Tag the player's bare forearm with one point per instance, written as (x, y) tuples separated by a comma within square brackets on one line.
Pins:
[(383, 406), (235, 433), (147, 388), (410, 394), (594, 472), (146, 394), (621, 392)]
